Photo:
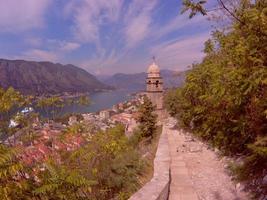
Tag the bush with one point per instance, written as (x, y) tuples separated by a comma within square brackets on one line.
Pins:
[(109, 161), (224, 97)]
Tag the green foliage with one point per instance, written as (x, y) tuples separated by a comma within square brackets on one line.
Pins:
[(52, 106), (254, 165), (10, 101), (147, 118), (84, 101), (224, 99), (106, 167), (111, 162), (76, 128), (194, 7), (136, 138), (13, 184), (60, 182), (257, 159)]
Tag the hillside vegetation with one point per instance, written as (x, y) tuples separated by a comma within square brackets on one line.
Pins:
[(72, 162), (38, 78), (224, 99)]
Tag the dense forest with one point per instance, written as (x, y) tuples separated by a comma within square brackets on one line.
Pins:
[(224, 98)]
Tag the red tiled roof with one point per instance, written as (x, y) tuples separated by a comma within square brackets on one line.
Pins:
[(40, 150)]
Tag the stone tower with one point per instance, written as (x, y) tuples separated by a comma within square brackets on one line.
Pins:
[(154, 86)]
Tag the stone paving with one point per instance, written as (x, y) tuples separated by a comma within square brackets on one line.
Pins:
[(196, 172)]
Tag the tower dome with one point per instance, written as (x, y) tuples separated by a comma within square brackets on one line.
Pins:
[(153, 68)]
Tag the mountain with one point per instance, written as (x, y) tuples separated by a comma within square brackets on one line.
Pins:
[(37, 78), (137, 81)]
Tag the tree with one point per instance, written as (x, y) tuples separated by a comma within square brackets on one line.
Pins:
[(51, 106), (110, 161), (147, 118), (61, 182), (194, 7), (224, 97), (232, 9), (13, 182), (10, 102), (84, 101), (27, 122)]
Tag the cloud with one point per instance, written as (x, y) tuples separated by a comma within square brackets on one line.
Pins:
[(33, 41), (89, 15), (52, 44), (93, 22), (54, 49), (98, 64), (138, 21), (18, 15), (69, 46), (39, 55), (179, 53), (179, 22), (116, 35)]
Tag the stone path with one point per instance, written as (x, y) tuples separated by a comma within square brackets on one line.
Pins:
[(196, 172)]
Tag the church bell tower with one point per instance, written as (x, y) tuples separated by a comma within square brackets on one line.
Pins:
[(154, 85)]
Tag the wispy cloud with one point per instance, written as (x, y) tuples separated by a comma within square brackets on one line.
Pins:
[(18, 15), (138, 20), (39, 55), (89, 15), (98, 63), (53, 44), (179, 53), (70, 46), (48, 49), (179, 22), (101, 35), (33, 41)]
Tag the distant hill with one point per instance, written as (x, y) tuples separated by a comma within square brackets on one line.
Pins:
[(31, 77), (137, 81)]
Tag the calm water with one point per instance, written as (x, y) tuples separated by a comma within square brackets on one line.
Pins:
[(100, 101)]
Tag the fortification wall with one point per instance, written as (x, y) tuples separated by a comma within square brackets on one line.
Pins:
[(158, 187)]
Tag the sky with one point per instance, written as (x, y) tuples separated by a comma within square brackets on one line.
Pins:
[(102, 36)]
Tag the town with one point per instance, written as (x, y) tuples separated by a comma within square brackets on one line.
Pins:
[(46, 138)]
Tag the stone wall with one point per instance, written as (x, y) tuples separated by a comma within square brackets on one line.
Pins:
[(158, 187)]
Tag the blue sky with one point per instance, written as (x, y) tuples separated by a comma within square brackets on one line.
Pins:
[(102, 36)]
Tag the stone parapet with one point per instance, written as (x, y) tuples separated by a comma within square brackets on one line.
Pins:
[(158, 187)]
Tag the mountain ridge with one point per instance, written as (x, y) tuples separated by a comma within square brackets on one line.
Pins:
[(31, 77), (136, 81)]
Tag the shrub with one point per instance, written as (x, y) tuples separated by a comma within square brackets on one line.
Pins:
[(147, 118), (224, 97)]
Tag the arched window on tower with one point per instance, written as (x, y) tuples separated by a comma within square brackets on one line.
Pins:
[(157, 83)]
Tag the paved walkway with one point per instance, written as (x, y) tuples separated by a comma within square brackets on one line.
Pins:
[(196, 172)]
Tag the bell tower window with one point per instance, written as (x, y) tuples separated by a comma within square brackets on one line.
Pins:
[(157, 83)]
